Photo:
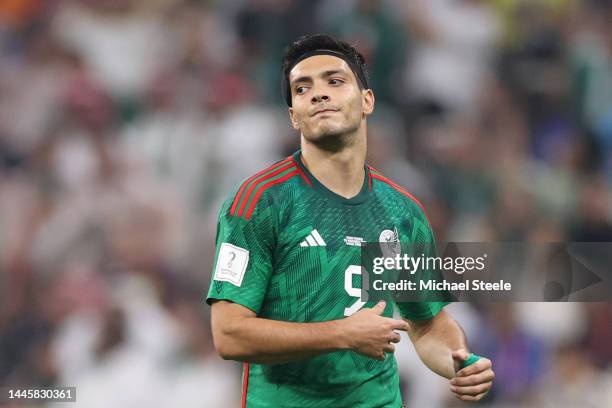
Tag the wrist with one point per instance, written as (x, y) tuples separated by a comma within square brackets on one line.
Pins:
[(341, 336)]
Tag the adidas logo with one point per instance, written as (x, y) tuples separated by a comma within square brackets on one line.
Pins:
[(313, 239)]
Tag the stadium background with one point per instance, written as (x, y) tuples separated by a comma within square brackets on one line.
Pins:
[(124, 123)]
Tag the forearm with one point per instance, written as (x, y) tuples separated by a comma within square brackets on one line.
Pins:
[(435, 344), (264, 341)]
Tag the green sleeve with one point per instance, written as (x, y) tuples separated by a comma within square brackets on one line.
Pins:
[(243, 257), (422, 241)]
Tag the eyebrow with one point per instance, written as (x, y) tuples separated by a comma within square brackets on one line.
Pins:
[(324, 74)]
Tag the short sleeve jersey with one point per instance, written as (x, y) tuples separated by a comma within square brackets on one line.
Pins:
[(289, 249)]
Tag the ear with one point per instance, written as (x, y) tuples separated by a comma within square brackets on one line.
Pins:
[(293, 119), (367, 101)]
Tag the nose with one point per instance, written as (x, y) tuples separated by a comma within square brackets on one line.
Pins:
[(319, 97)]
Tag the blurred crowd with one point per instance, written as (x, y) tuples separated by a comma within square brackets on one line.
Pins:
[(125, 123)]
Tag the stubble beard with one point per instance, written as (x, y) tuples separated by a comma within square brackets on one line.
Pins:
[(335, 140)]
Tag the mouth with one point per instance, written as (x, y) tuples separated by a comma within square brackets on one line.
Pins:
[(324, 111)]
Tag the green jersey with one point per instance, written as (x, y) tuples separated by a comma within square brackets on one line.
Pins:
[(289, 249)]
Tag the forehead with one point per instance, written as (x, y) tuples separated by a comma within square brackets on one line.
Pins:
[(318, 64)]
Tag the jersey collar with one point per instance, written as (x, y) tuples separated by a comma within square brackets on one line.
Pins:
[(360, 198)]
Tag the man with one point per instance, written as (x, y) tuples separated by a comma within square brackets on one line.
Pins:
[(284, 298)]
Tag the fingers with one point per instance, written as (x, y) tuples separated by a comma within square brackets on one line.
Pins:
[(473, 382), (479, 366), (389, 348), (474, 379), (471, 390), (460, 355), (380, 355), (379, 308), (376, 355), (471, 398), (399, 325), (395, 338)]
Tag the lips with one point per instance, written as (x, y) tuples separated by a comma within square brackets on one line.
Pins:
[(324, 110)]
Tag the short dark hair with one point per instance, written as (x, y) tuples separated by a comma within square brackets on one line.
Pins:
[(309, 45)]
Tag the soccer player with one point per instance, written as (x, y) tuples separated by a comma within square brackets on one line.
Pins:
[(283, 295)]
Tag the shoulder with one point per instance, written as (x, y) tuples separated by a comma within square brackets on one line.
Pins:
[(379, 181), (264, 189)]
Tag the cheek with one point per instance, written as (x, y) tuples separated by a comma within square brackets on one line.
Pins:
[(300, 119), (355, 108)]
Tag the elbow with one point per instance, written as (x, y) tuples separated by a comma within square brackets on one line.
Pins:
[(229, 331), (227, 346), (223, 351), (227, 354), (223, 346)]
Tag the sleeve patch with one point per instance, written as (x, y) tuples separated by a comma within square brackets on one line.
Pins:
[(231, 264)]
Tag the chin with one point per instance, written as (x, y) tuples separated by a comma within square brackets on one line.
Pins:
[(325, 134), (330, 139), (326, 130)]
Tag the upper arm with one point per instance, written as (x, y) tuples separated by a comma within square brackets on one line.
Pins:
[(419, 328), (226, 319), (244, 256), (225, 314)]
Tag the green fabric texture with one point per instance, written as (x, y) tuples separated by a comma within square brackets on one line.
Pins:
[(304, 266)]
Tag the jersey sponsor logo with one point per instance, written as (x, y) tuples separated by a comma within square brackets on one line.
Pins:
[(354, 241), (389, 242), (231, 264), (313, 239)]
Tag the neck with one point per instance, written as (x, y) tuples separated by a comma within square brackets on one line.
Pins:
[(342, 170)]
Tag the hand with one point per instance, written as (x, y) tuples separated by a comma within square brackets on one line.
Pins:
[(474, 381), (370, 334)]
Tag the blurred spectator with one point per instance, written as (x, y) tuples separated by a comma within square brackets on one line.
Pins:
[(520, 359), (121, 42), (453, 51), (376, 30), (573, 381)]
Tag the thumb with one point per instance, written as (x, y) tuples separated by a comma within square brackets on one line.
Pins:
[(380, 307), (460, 355)]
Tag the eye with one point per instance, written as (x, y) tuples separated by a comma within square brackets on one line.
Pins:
[(300, 90), (335, 81)]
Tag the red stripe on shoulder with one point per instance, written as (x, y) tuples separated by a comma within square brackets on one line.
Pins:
[(245, 384), (267, 185), (301, 172), (239, 194), (260, 180), (404, 192), (373, 169)]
